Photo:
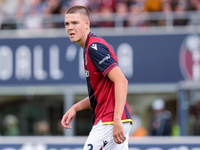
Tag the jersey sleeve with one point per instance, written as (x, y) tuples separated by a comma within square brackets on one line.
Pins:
[(101, 57)]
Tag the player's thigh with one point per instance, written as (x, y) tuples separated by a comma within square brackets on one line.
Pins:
[(111, 145), (94, 140), (101, 136)]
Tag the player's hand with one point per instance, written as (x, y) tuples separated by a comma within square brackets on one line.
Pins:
[(68, 117), (118, 132)]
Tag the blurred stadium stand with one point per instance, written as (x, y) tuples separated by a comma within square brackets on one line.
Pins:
[(23, 14), (57, 20)]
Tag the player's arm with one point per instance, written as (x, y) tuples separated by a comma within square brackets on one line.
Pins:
[(121, 86), (71, 113)]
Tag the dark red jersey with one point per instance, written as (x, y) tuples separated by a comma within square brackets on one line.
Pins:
[(99, 59)]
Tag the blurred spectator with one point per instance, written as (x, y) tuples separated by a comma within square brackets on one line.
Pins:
[(134, 19), (34, 18), (138, 3), (41, 128), (152, 6), (180, 8), (108, 3), (94, 5), (160, 123), (137, 128), (193, 4), (194, 18), (7, 12), (107, 17), (47, 18), (8, 7), (94, 8), (11, 124), (54, 8), (184, 4), (20, 14), (80, 2), (167, 10), (65, 4), (121, 11)]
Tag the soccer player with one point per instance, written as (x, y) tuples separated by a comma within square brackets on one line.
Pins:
[(107, 86)]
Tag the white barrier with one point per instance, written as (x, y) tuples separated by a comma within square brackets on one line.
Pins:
[(76, 143)]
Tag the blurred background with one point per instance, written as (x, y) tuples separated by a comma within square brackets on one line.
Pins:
[(157, 43)]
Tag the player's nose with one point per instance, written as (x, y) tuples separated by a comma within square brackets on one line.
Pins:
[(70, 26)]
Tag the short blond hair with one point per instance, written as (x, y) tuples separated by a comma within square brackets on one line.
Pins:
[(78, 9)]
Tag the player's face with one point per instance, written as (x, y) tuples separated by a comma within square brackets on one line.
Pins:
[(76, 26)]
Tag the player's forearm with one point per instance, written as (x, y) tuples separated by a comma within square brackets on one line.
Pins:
[(121, 88), (84, 104)]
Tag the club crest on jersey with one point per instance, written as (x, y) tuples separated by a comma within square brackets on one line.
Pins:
[(94, 46), (190, 58)]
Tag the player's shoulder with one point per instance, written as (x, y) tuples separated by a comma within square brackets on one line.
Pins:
[(97, 44), (97, 47)]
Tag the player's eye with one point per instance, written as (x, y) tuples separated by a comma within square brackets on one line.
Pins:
[(66, 23)]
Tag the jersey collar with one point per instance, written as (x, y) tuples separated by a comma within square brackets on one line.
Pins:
[(88, 37)]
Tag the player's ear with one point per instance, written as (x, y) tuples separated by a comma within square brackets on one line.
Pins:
[(87, 24)]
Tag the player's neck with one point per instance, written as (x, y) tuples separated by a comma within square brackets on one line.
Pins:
[(84, 39)]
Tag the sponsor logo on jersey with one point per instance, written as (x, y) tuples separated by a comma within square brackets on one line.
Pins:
[(190, 58), (94, 46), (104, 59)]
